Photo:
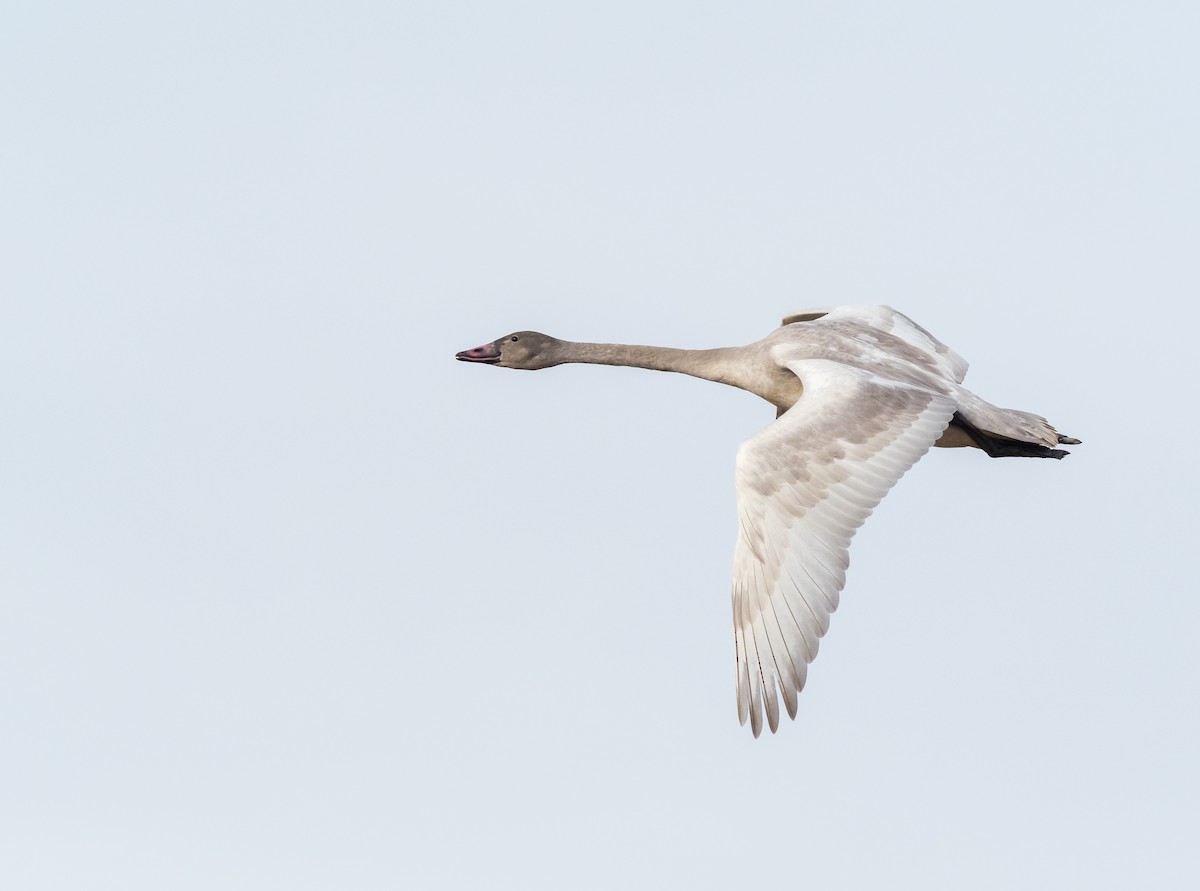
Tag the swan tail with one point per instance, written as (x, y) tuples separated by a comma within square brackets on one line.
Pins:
[(1006, 447)]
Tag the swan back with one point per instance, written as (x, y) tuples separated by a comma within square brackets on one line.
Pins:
[(888, 321)]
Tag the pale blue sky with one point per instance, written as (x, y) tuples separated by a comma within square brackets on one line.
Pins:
[(289, 599)]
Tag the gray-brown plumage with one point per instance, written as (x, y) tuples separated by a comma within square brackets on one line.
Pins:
[(861, 393)]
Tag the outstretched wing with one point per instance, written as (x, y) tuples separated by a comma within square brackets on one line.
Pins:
[(804, 486)]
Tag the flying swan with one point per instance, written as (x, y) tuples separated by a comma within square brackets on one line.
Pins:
[(862, 392)]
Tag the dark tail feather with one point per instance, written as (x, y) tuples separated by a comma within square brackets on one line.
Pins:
[(1002, 447)]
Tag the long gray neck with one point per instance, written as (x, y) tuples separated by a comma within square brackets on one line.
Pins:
[(718, 365)]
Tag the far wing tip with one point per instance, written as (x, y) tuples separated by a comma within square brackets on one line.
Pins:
[(806, 315)]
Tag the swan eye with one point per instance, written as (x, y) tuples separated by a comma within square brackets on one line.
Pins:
[(514, 338)]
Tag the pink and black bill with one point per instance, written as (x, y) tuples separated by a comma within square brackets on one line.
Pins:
[(489, 353)]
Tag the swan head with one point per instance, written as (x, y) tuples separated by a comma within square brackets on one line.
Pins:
[(524, 349)]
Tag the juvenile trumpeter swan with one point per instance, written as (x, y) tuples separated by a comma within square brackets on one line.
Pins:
[(862, 392)]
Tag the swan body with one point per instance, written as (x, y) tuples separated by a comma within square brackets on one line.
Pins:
[(861, 393)]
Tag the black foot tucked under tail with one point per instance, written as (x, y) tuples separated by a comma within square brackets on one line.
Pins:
[(1002, 447)]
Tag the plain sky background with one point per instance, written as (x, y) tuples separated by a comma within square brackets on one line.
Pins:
[(289, 599)]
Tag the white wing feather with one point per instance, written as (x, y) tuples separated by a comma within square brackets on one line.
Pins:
[(804, 486)]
